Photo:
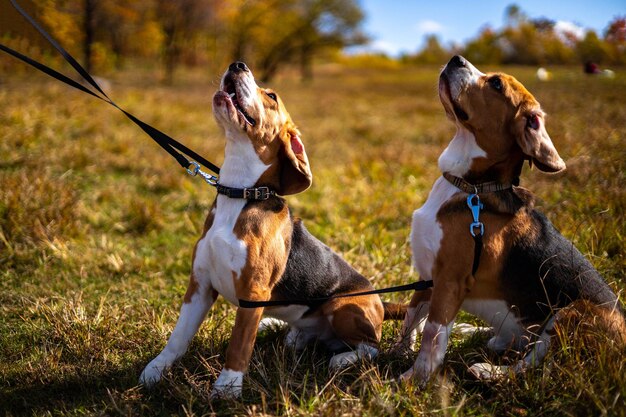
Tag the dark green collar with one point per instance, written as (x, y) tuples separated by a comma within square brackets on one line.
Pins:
[(485, 187)]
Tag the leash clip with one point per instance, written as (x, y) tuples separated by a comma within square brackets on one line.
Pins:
[(473, 202), (210, 179), (196, 168)]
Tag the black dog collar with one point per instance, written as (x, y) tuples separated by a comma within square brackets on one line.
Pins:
[(485, 187), (257, 193)]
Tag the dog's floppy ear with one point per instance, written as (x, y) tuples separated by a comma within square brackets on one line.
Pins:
[(295, 173), (537, 145)]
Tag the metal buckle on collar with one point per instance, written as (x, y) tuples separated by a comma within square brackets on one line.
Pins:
[(259, 193), (473, 202)]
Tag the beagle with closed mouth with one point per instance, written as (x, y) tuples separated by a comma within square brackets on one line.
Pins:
[(253, 249), (528, 278)]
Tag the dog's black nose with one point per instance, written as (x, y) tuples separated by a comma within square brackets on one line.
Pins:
[(458, 61), (238, 67)]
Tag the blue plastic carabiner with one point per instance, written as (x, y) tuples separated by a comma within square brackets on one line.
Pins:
[(473, 202)]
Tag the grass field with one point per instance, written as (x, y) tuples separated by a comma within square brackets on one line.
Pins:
[(97, 226)]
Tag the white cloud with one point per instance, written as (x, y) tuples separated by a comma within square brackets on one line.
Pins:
[(375, 47), (384, 46), (429, 27), (563, 29)]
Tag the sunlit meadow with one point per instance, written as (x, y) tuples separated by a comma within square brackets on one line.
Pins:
[(97, 226)]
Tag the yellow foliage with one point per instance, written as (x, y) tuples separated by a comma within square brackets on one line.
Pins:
[(102, 57), (149, 39), (62, 25)]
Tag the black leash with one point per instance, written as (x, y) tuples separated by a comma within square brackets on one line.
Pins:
[(312, 302), (178, 151), (172, 146)]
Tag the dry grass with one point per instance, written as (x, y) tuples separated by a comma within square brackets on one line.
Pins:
[(97, 226)]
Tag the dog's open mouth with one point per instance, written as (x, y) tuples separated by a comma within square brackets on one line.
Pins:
[(458, 111), (231, 90)]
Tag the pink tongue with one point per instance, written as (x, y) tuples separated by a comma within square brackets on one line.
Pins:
[(296, 144)]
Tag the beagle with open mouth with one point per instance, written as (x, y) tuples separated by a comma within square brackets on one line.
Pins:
[(253, 249), (525, 278)]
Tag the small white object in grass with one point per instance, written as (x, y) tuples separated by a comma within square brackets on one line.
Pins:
[(543, 74)]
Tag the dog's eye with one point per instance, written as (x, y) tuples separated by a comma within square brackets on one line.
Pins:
[(272, 96), (533, 121), (495, 83)]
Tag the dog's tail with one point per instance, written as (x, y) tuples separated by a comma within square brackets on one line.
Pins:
[(583, 320), (394, 311)]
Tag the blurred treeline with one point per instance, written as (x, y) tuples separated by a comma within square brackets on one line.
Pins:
[(109, 34), (526, 41)]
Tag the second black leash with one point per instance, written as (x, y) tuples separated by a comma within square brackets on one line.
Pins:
[(415, 286)]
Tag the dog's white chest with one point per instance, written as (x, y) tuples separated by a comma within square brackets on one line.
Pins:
[(461, 151), (426, 232), (220, 255)]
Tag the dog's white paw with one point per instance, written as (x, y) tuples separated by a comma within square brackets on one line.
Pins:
[(362, 351), (487, 371), (468, 329), (228, 385), (425, 366), (407, 376), (152, 373), (418, 373), (499, 344), (419, 377), (269, 323)]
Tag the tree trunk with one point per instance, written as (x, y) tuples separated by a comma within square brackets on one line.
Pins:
[(171, 59), (171, 55), (90, 6), (306, 63)]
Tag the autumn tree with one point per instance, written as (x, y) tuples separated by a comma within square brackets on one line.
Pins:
[(102, 32), (271, 33), (591, 48), (183, 23), (615, 37), (122, 24), (332, 24), (487, 48)]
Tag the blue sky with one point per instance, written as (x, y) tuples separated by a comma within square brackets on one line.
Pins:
[(398, 26)]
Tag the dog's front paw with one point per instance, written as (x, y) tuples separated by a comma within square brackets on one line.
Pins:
[(420, 373), (151, 374), (487, 371), (407, 376), (418, 379), (228, 385)]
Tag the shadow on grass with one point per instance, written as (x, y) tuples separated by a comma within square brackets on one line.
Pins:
[(116, 391), (86, 393)]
